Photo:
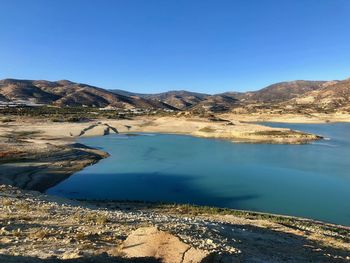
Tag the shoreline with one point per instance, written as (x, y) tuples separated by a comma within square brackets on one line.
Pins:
[(290, 118), (229, 129), (106, 230), (85, 227), (202, 209), (37, 155)]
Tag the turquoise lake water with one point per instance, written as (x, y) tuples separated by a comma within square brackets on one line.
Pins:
[(310, 180)]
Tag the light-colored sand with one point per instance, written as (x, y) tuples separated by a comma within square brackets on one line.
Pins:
[(37, 154), (32, 159), (289, 118), (230, 129)]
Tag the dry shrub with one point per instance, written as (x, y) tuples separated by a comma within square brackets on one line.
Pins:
[(40, 234), (94, 218), (207, 129), (6, 202), (23, 206)]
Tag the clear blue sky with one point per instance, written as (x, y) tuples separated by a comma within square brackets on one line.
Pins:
[(157, 45)]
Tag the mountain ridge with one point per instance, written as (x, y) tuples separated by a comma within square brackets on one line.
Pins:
[(68, 93), (290, 94)]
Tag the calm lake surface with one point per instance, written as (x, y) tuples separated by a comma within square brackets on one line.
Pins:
[(311, 180)]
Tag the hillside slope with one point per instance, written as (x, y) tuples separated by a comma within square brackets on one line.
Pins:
[(67, 93), (294, 96), (283, 91), (334, 97), (271, 95), (180, 99)]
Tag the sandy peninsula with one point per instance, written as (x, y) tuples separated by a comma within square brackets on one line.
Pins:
[(318, 118), (229, 128), (37, 154)]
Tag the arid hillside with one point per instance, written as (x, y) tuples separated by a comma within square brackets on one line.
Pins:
[(67, 93), (180, 99), (283, 91), (285, 97), (332, 97), (292, 96)]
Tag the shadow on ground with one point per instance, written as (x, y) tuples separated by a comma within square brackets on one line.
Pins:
[(94, 259), (100, 259)]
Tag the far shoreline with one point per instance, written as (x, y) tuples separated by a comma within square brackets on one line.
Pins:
[(45, 153)]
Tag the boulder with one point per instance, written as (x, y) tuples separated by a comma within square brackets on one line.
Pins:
[(151, 242)]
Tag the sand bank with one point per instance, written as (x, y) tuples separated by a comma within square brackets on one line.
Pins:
[(289, 118), (228, 128), (37, 154)]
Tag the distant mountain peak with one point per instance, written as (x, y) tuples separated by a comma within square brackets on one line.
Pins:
[(65, 82)]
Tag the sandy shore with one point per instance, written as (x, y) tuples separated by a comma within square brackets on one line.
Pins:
[(49, 229), (37, 154), (289, 118), (33, 160), (220, 128)]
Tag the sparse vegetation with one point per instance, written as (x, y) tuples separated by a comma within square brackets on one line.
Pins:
[(61, 114), (207, 129), (301, 224), (6, 202), (22, 206), (23, 134), (273, 133), (7, 120), (62, 230), (40, 234), (98, 218)]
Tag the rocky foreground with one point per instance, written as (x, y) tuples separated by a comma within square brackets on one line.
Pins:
[(40, 228)]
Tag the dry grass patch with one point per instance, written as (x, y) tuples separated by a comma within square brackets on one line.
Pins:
[(41, 234), (23, 206), (17, 233), (6, 202), (91, 218), (207, 129)]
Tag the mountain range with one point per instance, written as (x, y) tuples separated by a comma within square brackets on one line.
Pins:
[(297, 95)]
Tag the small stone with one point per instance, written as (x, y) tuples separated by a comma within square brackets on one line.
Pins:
[(209, 241), (71, 255)]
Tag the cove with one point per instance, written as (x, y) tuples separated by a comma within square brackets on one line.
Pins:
[(311, 181)]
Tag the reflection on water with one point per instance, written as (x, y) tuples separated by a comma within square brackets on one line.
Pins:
[(302, 180)]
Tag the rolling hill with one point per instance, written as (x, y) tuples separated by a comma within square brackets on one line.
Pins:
[(180, 99), (67, 93), (297, 95), (333, 96), (283, 91)]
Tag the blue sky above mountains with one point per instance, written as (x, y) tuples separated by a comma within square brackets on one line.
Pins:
[(152, 46)]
